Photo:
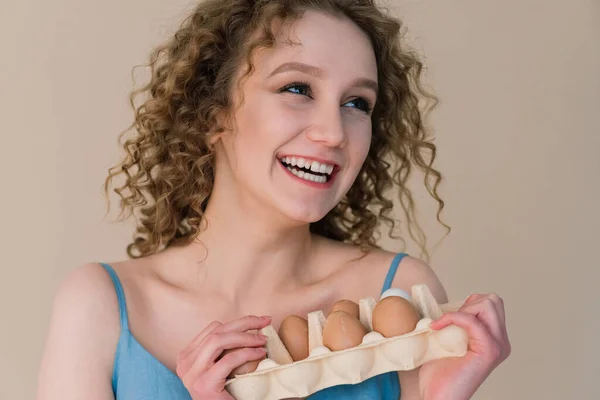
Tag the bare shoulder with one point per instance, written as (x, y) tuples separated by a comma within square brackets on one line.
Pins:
[(364, 274), (87, 289), (84, 325), (414, 271), (86, 297)]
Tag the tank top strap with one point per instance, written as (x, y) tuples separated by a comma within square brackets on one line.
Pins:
[(120, 296), (392, 271)]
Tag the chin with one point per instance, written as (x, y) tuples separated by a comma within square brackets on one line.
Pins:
[(305, 215)]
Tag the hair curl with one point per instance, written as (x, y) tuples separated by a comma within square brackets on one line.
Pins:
[(168, 164)]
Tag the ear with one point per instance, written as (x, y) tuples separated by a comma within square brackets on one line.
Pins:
[(214, 137), (221, 129)]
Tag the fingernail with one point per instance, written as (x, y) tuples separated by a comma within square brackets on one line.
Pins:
[(265, 318), (260, 349), (261, 337)]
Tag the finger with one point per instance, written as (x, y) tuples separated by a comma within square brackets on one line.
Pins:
[(471, 299), (222, 369), (486, 312), (215, 344), (474, 297), (481, 340), (497, 300), (245, 323), (499, 303), (219, 342), (197, 340), (188, 356)]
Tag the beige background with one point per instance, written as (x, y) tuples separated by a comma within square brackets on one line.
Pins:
[(519, 140)]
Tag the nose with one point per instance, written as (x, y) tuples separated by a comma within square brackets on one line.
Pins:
[(328, 128)]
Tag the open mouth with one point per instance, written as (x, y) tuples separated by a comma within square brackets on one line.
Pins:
[(309, 170)]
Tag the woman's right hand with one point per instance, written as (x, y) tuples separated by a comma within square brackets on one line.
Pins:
[(202, 369)]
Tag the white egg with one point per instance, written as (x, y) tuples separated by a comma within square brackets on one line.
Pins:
[(396, 292)]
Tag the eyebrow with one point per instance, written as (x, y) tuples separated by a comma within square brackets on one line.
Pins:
[(296, 66), (319, 73), (366, 83)]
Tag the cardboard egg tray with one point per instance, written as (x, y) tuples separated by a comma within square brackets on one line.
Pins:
[(279, 377)]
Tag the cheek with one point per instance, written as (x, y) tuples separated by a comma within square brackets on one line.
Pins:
[(250, 133), (268, 121), (359, 141)]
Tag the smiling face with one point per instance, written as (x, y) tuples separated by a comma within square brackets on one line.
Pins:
[(303, 130)]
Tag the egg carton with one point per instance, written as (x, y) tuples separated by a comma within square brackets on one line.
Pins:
[(279, 377)]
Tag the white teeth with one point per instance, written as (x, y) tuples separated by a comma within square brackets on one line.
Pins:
[(307, 175), (314, 166)]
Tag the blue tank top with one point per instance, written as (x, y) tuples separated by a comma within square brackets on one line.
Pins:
[(138, 375)]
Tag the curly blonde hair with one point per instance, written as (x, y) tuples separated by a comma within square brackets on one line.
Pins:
[(168, 163)]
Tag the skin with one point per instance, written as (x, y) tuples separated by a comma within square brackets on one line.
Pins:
[(213, 295)]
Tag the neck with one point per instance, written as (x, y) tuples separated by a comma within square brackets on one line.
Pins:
[(247, 249)]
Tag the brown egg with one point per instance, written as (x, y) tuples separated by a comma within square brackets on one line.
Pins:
[(293, 332), (245, 368), (394, 316), (342, 331), (346, 305)]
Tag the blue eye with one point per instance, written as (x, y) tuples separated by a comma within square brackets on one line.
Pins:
[(361, 104), (301, 88)]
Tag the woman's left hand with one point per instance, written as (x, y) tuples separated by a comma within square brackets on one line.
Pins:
[(458, 378)]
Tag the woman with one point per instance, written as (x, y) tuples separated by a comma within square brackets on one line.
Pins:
[(257, 192)]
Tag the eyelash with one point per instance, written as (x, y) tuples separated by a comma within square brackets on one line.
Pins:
[(367, 105)]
